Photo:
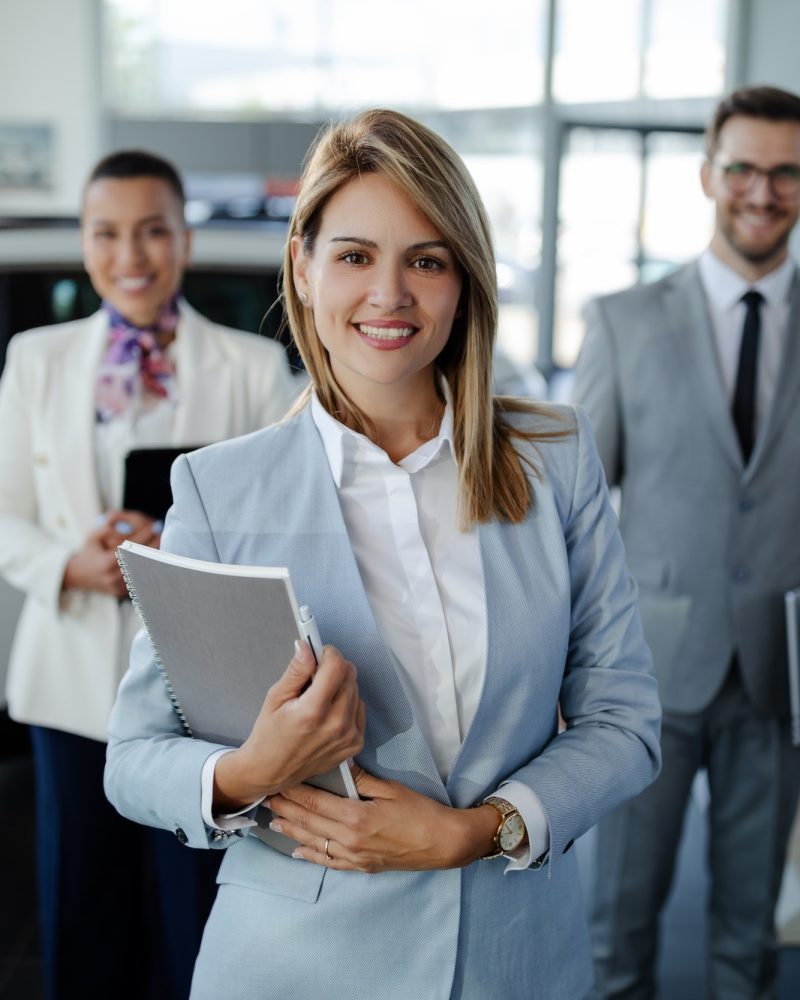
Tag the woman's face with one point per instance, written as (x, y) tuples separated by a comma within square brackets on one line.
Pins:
[(135, 244), (383, 286)]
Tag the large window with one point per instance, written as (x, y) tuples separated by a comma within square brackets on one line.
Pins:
[(630, 209), (630, 91), (621, 50), (249, 58)]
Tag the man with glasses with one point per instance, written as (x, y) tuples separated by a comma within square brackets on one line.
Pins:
[(693, 386)]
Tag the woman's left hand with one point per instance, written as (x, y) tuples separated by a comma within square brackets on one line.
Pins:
[(390, 828)]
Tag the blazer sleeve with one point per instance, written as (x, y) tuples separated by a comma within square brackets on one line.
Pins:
[(30, 558), (153, 771), (610, 749), (596, 388)]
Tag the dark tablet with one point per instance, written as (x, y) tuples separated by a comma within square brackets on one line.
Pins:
[(147, 479)]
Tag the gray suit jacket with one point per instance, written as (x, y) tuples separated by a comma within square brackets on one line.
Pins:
[(562, 626), (712, 544)]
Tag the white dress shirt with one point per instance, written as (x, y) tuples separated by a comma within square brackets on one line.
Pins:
[(724, 289), (424, 581)]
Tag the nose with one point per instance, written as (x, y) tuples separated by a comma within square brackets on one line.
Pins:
[(389, 290), (761, 190), (129, 249)]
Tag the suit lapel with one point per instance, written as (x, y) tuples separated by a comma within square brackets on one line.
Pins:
[(787, 391), (326, 577), (205, 393), (689, 325)]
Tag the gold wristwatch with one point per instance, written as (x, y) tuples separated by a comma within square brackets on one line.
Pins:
[(511, 831)]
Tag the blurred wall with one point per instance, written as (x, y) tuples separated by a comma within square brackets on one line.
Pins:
[(50, 75), (272, 147)]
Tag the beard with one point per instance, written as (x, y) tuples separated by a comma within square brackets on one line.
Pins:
[(753, 252)]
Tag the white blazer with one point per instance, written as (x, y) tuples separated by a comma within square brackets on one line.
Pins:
[(63, 668)]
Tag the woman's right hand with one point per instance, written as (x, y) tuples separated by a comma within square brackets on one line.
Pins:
[(311, 720)]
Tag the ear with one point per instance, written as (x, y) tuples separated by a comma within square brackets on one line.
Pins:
[(705, 179), (187, 246), (300, 264)]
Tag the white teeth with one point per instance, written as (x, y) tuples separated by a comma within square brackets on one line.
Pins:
[(132, 284), (386, 333)]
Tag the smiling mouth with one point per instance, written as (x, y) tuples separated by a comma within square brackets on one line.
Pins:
[(386, 332), (133, 284)]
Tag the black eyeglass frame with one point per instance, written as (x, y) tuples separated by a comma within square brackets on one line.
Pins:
[(783, 180)]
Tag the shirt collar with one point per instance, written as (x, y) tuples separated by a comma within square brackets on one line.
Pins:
[(725, 287), (342, 444)]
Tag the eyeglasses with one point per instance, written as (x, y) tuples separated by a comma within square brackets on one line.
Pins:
[(784, 180)]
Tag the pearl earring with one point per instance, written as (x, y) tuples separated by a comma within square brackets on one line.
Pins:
[(304, 298)]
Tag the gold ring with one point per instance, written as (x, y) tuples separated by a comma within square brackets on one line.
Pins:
[(328, 854)]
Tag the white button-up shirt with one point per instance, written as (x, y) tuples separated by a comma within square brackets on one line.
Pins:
[(724, 289)]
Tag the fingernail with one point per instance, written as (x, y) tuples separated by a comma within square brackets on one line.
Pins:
[(296, 854), (276, 826), (298, 649)]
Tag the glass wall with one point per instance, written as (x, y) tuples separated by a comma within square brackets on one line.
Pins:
[(630, 209), (629, 204), (247, 58)]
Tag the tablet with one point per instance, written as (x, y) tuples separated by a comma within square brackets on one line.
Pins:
[(147, 479)]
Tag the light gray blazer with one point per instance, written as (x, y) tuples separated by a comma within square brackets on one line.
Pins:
[(562, 626), (712, 544)]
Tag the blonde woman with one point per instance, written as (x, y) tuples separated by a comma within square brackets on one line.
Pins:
[(463, 562)]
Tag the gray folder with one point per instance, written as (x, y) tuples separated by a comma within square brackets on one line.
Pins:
[(222, 635)]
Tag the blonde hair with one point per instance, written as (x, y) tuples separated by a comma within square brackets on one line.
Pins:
[(492, 480)]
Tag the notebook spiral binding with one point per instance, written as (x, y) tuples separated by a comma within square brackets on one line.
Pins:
[(156, 655)]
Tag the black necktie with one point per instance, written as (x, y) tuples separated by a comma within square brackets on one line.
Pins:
[(744, 399)]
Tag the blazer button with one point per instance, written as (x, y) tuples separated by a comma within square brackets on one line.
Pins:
[(741, 573), (745, 504), (180, 834)]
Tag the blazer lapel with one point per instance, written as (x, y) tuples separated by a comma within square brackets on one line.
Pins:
[(689, 323), (205, 392), (315, 547), (787, 391), (526, 580)]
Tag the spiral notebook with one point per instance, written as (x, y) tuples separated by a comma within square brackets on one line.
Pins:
[(221, 636)]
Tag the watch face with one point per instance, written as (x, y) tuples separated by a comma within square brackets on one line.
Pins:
[(511, 833)]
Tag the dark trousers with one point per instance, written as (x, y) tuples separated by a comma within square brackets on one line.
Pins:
[(122, 907), (753, 775)]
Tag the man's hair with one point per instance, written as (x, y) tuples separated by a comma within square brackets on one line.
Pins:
[(129, 163), (769, 103)]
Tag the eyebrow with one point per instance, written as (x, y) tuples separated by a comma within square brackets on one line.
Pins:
[(160, 217), (372, 245), (749, 163)]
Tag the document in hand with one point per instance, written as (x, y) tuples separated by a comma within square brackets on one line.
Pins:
[(221, 636)]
